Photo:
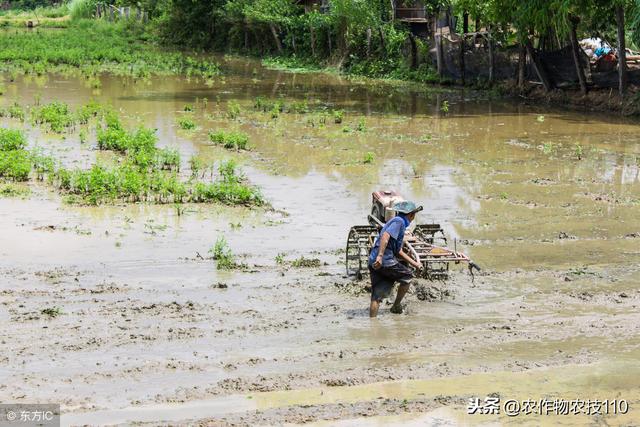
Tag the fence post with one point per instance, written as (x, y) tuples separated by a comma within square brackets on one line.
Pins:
[(439, 58), (312, 33), (462, 39), (491, 59), (622, 54), (414, 51), (539, 67)]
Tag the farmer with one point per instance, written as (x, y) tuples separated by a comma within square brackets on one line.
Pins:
[(384, 265)]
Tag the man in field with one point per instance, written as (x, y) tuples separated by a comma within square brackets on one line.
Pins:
[(384, 264)]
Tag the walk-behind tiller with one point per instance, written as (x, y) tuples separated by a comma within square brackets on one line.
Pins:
[(426, 243)]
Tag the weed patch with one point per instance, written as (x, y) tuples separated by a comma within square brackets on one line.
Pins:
[(55, 114), (306, 262), (230, 139), (186, 123), (222, 254)]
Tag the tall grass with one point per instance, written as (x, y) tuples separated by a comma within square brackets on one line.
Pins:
[(82, 9)]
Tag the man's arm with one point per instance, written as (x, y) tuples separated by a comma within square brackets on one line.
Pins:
[(384, 240), (410, 260)]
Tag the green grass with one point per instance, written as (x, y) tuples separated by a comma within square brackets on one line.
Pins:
[(56, 114), (233, 110), (113, 136), (223, 255), (230, 139), (15, 163), (140, 171), (95, 46), (146, 173), (230, 188), (14, 111), (186, 123), (11, 139)]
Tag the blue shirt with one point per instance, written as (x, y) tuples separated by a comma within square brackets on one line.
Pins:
[(395, 227)]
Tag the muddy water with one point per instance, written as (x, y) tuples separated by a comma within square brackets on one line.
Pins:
[(546, 201)]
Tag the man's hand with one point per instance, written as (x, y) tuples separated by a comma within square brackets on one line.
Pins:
[(378, 263), (417, 266)]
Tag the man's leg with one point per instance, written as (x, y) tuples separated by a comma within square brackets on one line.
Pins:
[(378, 285), (373, 308), (402, 290), (404, 276)]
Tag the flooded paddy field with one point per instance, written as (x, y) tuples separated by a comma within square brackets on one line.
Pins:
[(118, 313)]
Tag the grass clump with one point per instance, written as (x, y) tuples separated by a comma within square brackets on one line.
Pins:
[(230, 188), (306, 262), (167, 159), (186, 123), (56, 114), (12, 190), (223, 255), (15, 163), (15, 111), (369, 158), (51, 311), (113, 136), (233, 110), (89, 111), (123, 182), (230, 139), (11, 139)]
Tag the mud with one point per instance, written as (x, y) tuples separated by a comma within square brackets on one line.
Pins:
[(111, 312)]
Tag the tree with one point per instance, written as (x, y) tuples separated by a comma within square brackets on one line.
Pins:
[(273, 13)]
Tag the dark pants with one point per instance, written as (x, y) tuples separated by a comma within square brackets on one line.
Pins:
[(383, 279)]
